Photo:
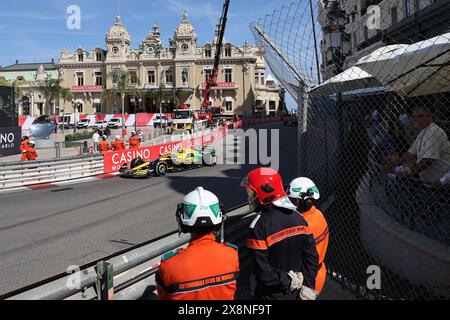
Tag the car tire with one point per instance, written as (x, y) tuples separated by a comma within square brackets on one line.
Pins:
[(209, 159), (161, 168)]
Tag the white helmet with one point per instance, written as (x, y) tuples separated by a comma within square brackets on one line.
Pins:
[(200, 208), (133, 133), (117, 137), (303, 187), (31, 143)]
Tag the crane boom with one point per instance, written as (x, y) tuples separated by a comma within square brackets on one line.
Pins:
[(212, 81)]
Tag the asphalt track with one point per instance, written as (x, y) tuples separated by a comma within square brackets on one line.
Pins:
[(42, 232)]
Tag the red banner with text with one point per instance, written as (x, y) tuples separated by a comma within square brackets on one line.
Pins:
[(114, 160)]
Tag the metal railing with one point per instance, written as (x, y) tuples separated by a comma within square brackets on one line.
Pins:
[(85, 283), (48, 171)]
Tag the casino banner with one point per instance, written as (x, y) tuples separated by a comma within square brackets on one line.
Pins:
[(114, 160), (10, 139)]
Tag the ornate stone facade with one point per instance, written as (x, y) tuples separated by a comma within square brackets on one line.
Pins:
[(28, 78), (179, 71)]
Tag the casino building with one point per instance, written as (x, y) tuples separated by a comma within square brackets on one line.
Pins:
[(176, 74)]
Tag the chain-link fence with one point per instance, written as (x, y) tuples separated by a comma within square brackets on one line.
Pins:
[(374, 135)]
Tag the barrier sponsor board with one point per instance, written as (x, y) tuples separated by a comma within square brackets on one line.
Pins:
[(10, 141), (114, 160)]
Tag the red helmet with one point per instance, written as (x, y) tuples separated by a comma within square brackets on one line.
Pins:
[(267, 184)]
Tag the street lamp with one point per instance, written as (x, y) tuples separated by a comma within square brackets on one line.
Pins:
[(133, 101), (138, 106), (77, 105)]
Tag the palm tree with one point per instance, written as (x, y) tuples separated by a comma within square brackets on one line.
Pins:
[(66, 95), (51, 91), (160, 96), (123, 84)]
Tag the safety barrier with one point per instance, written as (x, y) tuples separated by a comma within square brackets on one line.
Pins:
[(13, 175), (48, 171), (126, 270)]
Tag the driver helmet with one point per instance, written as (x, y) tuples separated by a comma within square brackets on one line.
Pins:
[(104, 138), (31, 143)]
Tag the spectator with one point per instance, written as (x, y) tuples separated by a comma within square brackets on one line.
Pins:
[(285, 259), (304, 193), (408, 128), (429, 156), (394, 145), (118, 144), (96, 139), (206, 269), (104, 145), (135, 141), (29, 153), (375, 122)]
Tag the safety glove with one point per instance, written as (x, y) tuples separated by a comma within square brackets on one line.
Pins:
[(305, 293)]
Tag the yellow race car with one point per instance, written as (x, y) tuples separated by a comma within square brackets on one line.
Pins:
[(181, 159)]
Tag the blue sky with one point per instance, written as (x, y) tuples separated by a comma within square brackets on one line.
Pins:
[(35, 31)]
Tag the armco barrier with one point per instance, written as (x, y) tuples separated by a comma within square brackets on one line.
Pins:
[(13, 175), (129, 267), (48, 171)]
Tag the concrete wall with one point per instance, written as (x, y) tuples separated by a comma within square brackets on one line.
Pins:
[(409, 254)]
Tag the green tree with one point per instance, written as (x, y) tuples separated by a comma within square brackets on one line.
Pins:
[(122, 83), (159, 95), (67, 96), (51, 91)]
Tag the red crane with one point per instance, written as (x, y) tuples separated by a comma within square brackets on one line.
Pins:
[(212, 81)]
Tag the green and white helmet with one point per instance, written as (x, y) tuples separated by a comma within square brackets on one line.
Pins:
[(303, 187), (201, 208)]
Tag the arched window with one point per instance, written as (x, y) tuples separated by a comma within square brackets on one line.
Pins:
[(208, 51), (80, 55), (227, 50), (25, 106), (98, 55)]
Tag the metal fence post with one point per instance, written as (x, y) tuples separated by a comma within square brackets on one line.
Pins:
[(58, 150), (105, 281), (302, 130)]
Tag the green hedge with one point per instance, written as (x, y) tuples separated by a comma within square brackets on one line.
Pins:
[(79, 136)]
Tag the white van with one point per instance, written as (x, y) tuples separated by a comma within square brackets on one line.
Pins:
[(85, 123), (68, 120), (115, 123)]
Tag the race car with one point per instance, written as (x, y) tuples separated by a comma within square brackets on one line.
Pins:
[(179, 160)]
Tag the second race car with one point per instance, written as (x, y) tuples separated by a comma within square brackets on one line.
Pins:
[(179, 160)]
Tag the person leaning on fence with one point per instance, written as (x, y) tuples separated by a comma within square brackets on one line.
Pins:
[(135, 141), (24, 143), (206, 269), (29, 153), (118, 144), (304, 193), (284, 255), (104, 145), (429, 155)]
